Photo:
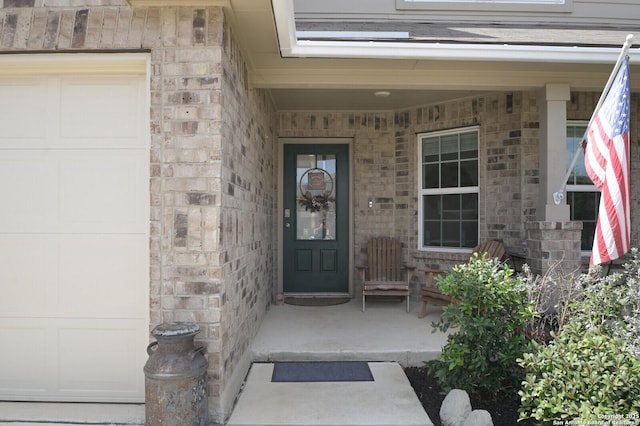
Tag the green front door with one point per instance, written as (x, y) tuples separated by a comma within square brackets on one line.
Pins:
[(316, 218)]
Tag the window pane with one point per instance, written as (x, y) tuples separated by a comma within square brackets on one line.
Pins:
[(449, 178), (430, 150), (469, 204), (574, 140), (583, 204), (451, 207), (588, 233), (469, 234), (451, 234), (327, 162), (449, 147), (431, 176), (469, 173), (432, 207), (431, 234), (584, 207), (469, 145), (316, 206), (442, 166), (450, 220), (580, 173)]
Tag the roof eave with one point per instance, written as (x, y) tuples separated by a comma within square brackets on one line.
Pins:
[(453, 52), (291, 47)]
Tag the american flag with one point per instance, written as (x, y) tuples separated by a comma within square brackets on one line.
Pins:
[(606, 158)]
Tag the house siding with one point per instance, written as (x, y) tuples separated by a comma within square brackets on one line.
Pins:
[(605, 13), (212, 164)]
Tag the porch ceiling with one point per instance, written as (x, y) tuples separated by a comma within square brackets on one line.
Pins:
[(361, 99), (343, 74)]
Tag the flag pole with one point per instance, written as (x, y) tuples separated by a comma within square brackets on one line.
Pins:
[(558, 196)]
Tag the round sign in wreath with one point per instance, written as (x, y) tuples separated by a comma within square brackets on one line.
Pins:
[(315, 182)]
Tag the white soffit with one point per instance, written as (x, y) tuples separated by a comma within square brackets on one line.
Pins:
[(169, 3), (365, 35), (291, 46)]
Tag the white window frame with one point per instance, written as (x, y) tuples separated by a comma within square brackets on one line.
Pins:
[(581, 187), (558, 6), (441, 191)]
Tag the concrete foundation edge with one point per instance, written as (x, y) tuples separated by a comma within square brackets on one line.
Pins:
[(220, 413)]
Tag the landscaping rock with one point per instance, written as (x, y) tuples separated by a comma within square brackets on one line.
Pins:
[(455, 408), (479, 418)]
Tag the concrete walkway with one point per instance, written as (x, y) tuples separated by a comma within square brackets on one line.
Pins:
[(38, 413), (389, 400), (384, 335)]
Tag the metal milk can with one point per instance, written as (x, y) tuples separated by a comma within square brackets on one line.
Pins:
[(176, 377)]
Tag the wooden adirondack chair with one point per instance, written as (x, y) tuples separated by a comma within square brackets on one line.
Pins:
[(384, 274), (431, 294)]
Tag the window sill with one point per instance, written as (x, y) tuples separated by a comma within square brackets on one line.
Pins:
[(454, 250)]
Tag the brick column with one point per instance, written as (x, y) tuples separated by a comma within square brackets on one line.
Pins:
[(552, 242), (553, 238)]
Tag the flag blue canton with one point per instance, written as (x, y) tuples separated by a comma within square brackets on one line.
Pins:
[(619, 116)]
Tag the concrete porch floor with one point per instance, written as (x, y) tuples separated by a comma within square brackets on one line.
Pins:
[(385, 334)]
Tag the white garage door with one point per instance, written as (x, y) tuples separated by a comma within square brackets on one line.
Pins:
[(74, 242)]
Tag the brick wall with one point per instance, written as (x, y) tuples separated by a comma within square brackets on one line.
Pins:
[(554, 245), (499, 117), (247, 241), (212, 164), (385, 162)]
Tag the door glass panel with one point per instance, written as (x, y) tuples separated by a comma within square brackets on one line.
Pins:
[(315, 196)]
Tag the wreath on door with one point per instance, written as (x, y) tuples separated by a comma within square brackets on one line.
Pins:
[(321, 196)]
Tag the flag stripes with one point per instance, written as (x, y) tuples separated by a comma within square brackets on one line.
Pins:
[(606, 156)]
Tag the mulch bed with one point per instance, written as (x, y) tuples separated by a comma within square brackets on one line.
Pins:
[(504, 411)]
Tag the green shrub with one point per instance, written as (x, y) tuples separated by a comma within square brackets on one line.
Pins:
[(583, 374), (591, 368), (493, 306), (631, 302), (598, 304)]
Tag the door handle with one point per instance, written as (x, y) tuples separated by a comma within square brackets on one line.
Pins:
[(287, 225)]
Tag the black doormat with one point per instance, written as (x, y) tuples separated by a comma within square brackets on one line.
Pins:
[(316, 301), (338, 371)]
